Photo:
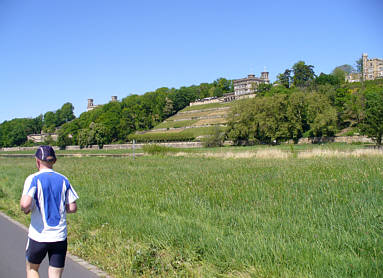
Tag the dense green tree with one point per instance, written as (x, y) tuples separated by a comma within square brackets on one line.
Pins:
[(83, 138), (66, 113), (14, 132), (263, 89), (277, 118), (260, 120), (54, 119), (353, 108), (223, 85), (50, 121), (303, 74), (168, 108), (96, 134), (203, 90), (334, 80), (241, 128), (110, 118), (372, 119), (297, 115), (321, 116), (64, 140), (285, 78), (271, 119)]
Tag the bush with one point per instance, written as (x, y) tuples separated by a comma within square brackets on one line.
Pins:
[(157, 149), (350, 133), (214, 139), (161, 137), (64, 140), (30, 143), (49, 141)]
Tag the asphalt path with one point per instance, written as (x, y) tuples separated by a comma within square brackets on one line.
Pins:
[(13, 239)]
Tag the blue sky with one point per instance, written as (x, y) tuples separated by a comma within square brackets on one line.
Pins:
[(54, 51)]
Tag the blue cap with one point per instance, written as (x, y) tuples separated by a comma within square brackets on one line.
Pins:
[(46, 153)]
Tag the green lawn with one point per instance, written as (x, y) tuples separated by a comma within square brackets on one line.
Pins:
[(161, 216)]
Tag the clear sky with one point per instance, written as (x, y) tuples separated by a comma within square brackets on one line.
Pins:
[(55, 51)]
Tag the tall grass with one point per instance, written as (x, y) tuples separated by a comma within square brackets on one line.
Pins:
[(209, 217)]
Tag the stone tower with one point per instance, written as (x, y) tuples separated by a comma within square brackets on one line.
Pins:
[(90, 104), (265, 76), (114, 98)]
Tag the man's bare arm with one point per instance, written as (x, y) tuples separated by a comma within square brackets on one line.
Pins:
[(26, 203)]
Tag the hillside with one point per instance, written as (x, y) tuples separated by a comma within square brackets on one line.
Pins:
[(193, 122)]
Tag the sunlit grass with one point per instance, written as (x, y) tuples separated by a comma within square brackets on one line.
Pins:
[(162, 216)]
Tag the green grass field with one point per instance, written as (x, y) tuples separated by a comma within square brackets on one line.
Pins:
[(165, 216)]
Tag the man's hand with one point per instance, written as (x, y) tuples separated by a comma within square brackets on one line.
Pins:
[(71, 208), (26, 211)]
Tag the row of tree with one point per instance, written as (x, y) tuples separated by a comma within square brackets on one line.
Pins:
[(115, 121), (112, 122), (14, 132), (301, 104)]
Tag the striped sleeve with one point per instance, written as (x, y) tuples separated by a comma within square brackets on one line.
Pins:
[(71, 195)]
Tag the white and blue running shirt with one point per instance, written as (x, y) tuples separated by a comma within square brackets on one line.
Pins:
[(50, 192)]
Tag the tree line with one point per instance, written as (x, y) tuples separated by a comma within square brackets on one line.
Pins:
[(301, 104), (15, 132), (112, 122)]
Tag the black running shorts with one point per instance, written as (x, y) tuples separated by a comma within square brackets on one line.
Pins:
[(36, 252)]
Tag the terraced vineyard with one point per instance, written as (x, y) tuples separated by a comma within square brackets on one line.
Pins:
[(195, 121)]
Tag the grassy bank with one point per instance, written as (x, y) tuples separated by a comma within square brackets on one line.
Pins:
[(212, 217)]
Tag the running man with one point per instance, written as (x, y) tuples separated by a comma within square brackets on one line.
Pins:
[(48, 195)]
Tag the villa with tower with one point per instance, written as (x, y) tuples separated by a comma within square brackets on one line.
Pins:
[(243, 88), (249, 84), (371, 69)]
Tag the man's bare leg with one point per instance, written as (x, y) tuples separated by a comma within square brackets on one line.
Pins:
[(32, 270), (55, 272)]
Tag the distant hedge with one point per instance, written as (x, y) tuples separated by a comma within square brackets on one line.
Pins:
[(162, 137)]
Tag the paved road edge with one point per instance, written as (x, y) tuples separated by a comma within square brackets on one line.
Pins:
[(74, 258)]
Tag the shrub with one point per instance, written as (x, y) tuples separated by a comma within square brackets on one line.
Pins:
[(157, 149), (161, 137), (214, 139), (30, 143)]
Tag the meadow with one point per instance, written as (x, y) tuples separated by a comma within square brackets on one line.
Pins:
[(180, 216)]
